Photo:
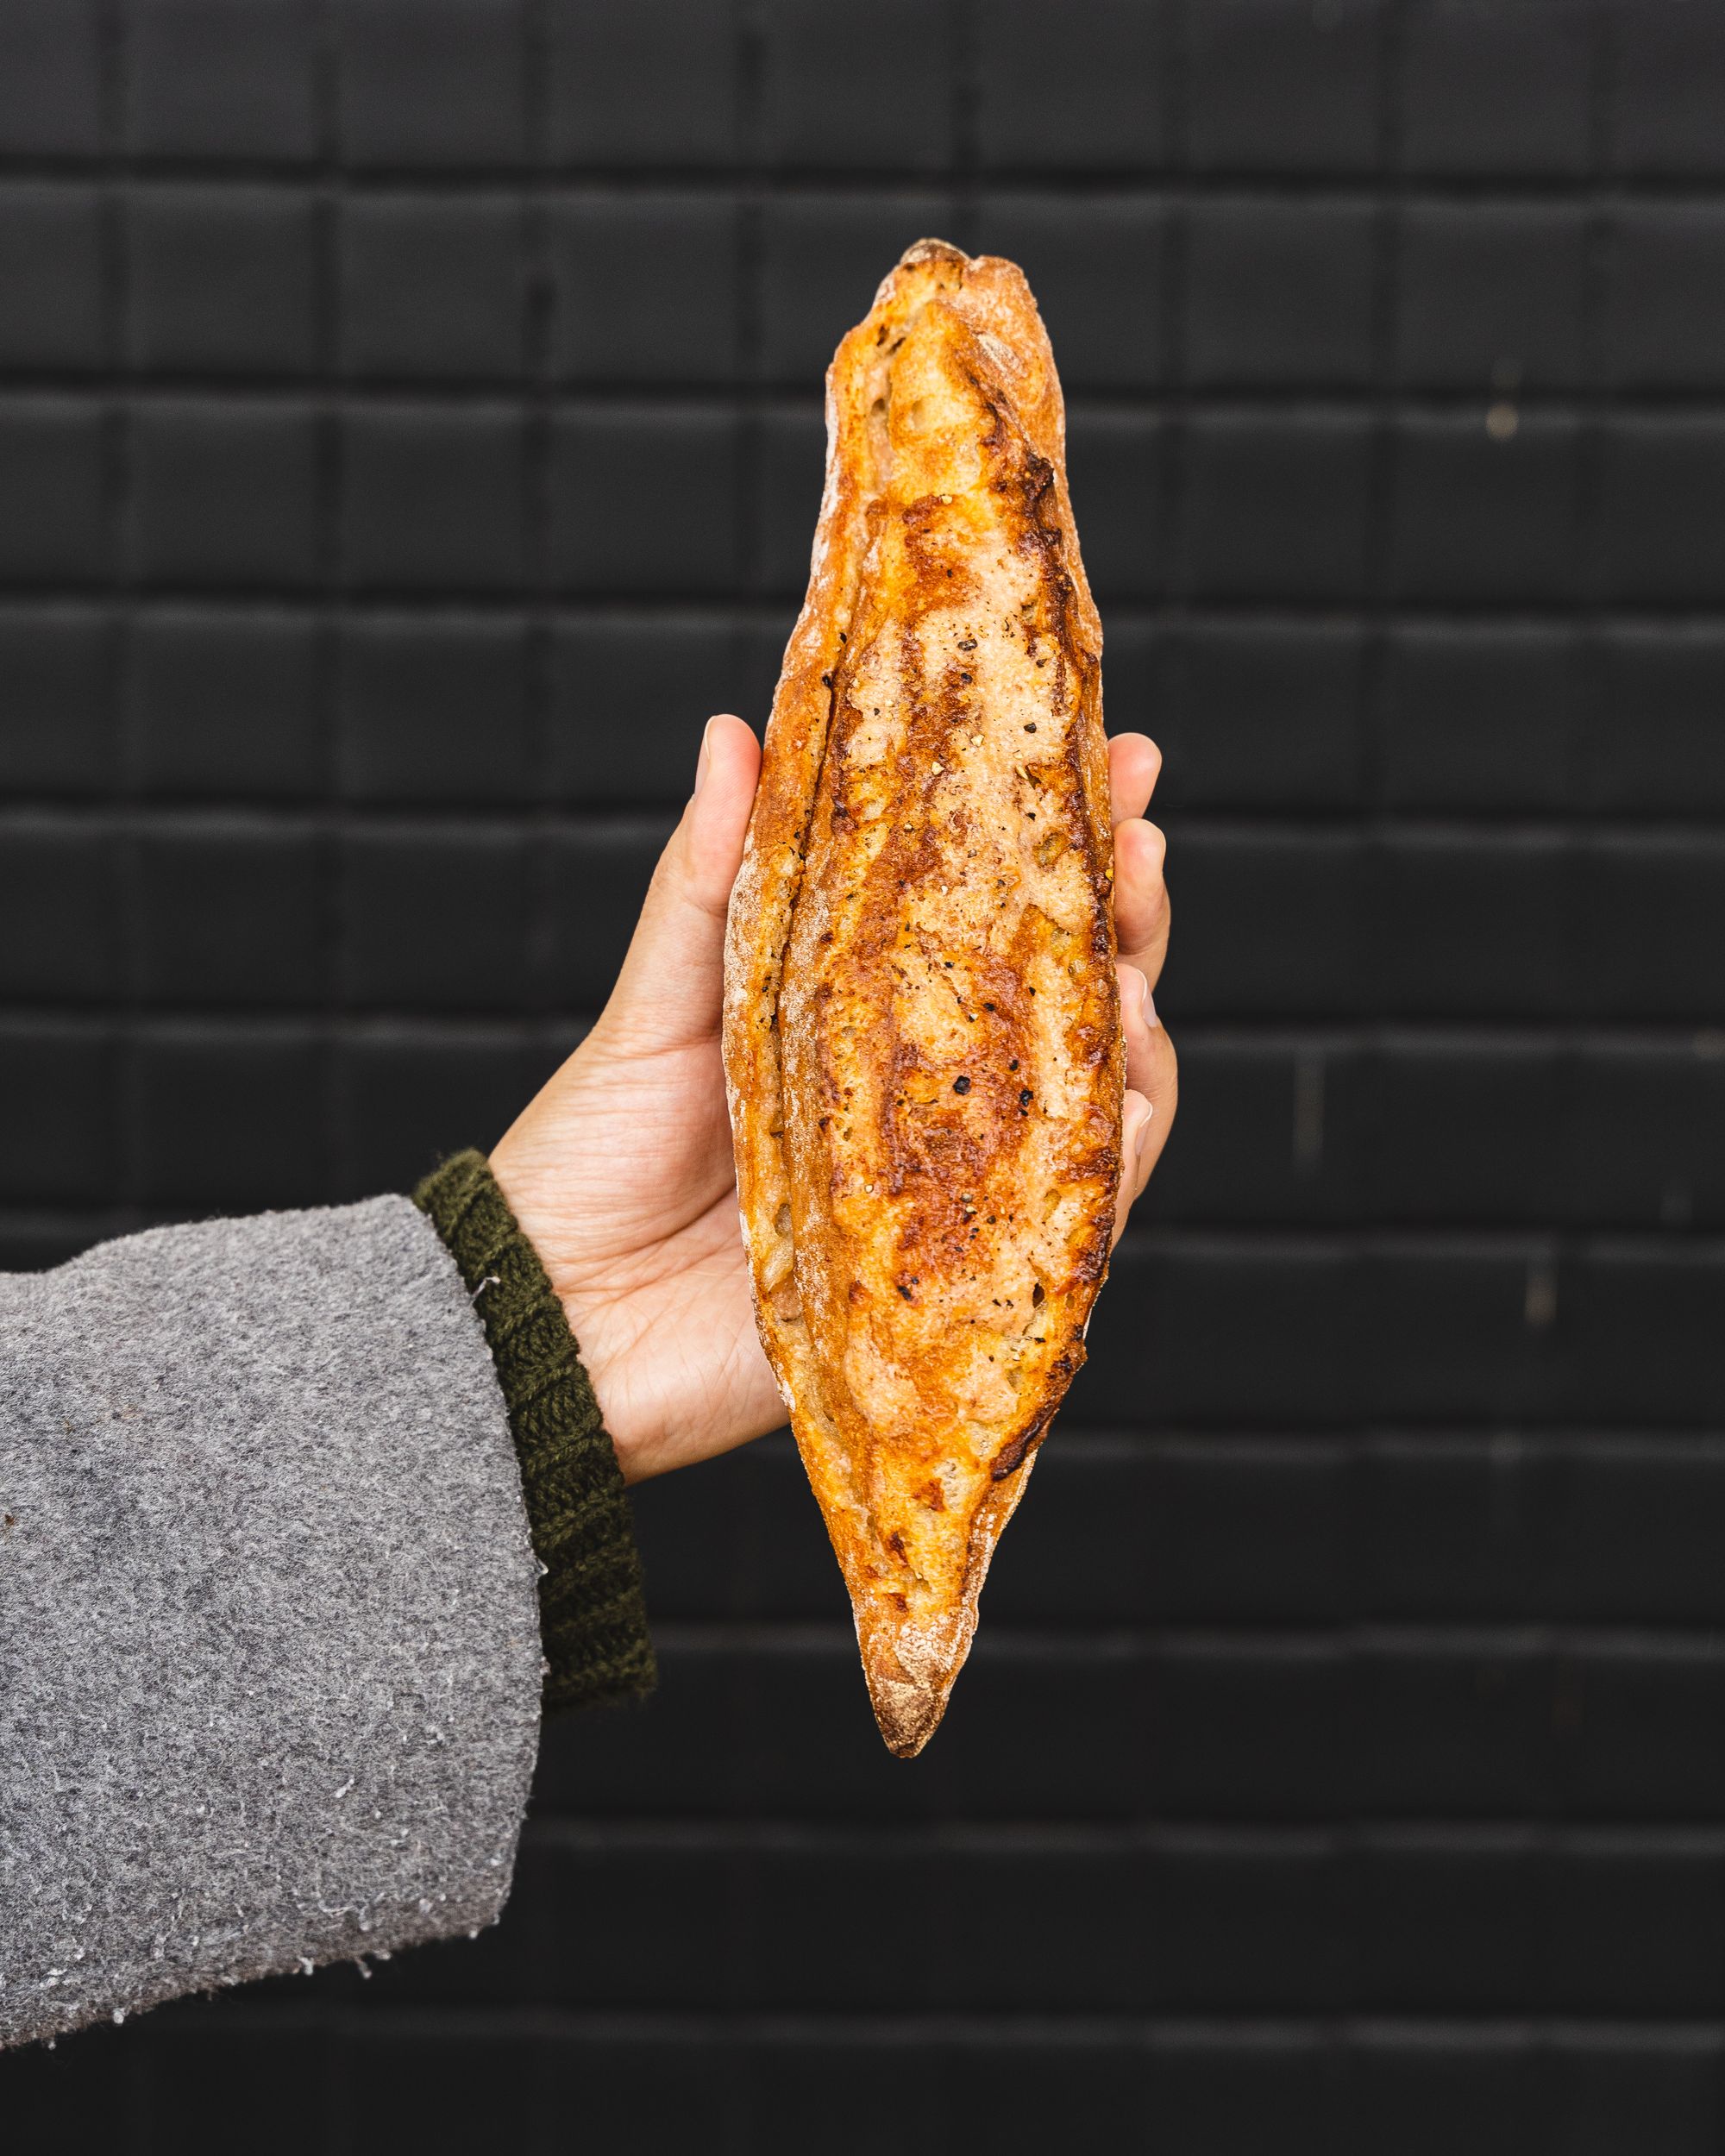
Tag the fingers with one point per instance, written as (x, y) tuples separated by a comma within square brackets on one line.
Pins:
[(669, 990), (1152, 1091), (1134, 765), (1141, 915)]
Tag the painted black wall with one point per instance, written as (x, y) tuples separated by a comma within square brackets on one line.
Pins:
[(408, 433)]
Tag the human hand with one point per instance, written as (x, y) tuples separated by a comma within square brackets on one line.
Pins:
[(619, 1172)]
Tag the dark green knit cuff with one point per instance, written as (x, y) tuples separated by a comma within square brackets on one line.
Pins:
[(592, 1620)]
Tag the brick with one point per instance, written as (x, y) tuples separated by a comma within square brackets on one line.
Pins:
[(1489, 295), (431, 82), (1481, 517), (1628, 1921), (54, 2103), (642, 2093), (1218, 2092), (1099, 1933), (1259, 715), (434, 499), (1664, 317), (1214, 1705), (761, 1562), (1654, 743), (1645, 1119), (630, 698), (220, 280), (830, 98), (1468, 1133), (436, 919), (1666, 2081), (52, 523), (798, 1895), (1245, 1331), (1178, 1531), (1027, 2090), (416, 2085), (796, 2091), (1627, 1529), (1612, 2086), (1097, 267), (821, 259), (1276, 507), (1645, 1729), (654, 84), (226, 703), (1275, 87), (1658, 489), (410, 1095), (59, 1120), (1115, 463), (224, 494), (1267, 925), (1651, 920), (647, 288), (1426, 2093), (1482, 718), (1137, 696), (764, 650), (1641, 1327), (189, 2069), (435, 709), (1668, 78), (789, 454), (1500, 91), (1280, 293), (1095, 99), (226, 912), (1264, 1326), (613, 472), (1472, 928), (56, 719), (57, 899), (50, 78), (208, 79), (1270, 1130), (1448, 1526), (433, 288), (202, 1095), (1450, 1925), (1459, 1728), (51, 314), (595, 881)]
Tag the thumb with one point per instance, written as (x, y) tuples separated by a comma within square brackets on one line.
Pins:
[(669, 991)]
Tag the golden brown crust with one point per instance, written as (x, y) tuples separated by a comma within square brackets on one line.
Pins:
[(922, 1032)]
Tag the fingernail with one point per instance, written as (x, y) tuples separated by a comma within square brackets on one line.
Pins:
[(1143, 1138), (706, 757), (1150, 1017)]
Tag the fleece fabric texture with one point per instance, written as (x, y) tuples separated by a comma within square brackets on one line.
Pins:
[(269, 1639), (592, 1619)]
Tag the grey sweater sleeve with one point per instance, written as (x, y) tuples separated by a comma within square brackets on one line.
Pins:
[(269, 1647)]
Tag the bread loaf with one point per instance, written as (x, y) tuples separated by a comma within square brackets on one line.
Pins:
[(922, 1036)]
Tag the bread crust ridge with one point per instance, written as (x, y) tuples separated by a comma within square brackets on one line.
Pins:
[(922, 1038)]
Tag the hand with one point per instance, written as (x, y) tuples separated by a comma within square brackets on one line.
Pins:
[(620, 1171)]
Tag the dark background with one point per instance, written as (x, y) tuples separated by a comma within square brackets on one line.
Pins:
[(410, 432)]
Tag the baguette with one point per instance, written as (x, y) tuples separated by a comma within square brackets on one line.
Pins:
[(922, 1036)]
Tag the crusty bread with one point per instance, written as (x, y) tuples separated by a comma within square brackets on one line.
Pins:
[(922, 1037)]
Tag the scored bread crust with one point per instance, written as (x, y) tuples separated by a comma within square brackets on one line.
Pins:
[(922, 1039)]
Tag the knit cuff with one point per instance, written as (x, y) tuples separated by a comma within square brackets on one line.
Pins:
[(592, 1620)]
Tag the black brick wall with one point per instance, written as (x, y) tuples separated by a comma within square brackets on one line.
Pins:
[(408, 433)]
